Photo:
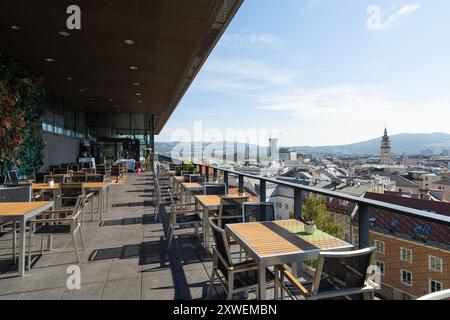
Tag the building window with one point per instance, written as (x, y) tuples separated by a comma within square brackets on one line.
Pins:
[(406, 255), (435, 263), (380, 246), (286, 206), (434, 286), (380, 265), (406, 277)]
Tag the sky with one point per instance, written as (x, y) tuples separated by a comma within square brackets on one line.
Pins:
[(322, 72)]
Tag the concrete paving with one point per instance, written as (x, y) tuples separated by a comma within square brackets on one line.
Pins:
[(125, 257)]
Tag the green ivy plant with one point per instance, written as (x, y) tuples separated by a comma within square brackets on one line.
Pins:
[(21, 100)]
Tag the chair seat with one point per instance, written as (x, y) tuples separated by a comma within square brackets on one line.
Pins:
[(188, 219), (250, 278), (53, 229), (325, 285)]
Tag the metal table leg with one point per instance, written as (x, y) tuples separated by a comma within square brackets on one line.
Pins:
[(22, 247)]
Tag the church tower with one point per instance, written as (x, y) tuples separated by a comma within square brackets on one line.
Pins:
[(386, 158)]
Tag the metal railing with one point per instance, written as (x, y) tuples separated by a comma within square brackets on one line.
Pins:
[(301, 190)]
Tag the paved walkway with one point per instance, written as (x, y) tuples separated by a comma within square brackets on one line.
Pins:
[(125, 257)]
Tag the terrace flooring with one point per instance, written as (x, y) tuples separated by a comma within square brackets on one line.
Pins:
[(125, 257)]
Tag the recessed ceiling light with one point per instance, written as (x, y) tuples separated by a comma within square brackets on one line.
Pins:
[(129, 41), (138, 94), (15, 27), (91, 98), (136, 84), (64, 33), (82, 90), (111, 100), (139, 101), (133, 68), (50, 60), (68, 78)]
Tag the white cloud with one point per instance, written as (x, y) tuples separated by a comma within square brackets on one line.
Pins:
[(396, 18), (250, 40)]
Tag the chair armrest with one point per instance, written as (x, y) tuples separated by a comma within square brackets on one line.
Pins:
[(293, 280), (89, 196)]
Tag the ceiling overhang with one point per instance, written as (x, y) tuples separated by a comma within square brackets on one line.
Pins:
[(91, 67)]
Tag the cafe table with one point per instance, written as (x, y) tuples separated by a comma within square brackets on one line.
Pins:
[(281, 242), (176, 181), (21, 212), (187, 188)]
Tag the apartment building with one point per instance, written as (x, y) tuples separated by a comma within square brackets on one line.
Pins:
[(413, 255), (444, 186)]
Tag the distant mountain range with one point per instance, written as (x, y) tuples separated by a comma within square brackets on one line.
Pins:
[(401, 143)]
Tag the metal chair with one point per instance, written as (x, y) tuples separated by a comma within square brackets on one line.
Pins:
[(12, 176), (342, 275), (258, 212), (440, 295), (39, 177), (234, 277), (196, 178), (181, 216), (219, 189), (230, 209), (53, 167), (60, 171), (69, 221), (79, 177)]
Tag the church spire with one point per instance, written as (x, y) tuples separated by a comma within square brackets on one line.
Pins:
[(385, 136)]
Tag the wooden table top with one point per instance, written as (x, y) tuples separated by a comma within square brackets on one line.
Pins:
[(284, 237), (179, 178), (214, 200), (191, 185), (18, 209)]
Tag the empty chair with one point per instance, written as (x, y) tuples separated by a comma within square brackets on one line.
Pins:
[(60, 171), (79, 177), (219, 189), (258, 212), (12, 176), (230, 210), (186, 175), (39, 177), (57, 222), (181, 216), (74, 167), (234, 277), (53, 167), (196, 178), (64, 166), (116, 171), (342, 275)]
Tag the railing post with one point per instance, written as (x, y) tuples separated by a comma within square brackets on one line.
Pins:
[(215, 174), (225, 178), (363, 227), (262, 190), (298, 195), (241, 181), (207, 173), (200, 169)]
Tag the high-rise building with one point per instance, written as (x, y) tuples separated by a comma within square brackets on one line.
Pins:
[(386, 157), (273, 149)]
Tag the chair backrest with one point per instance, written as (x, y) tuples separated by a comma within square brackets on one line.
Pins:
[(13, 176), (440, 295), (16, 193), (64, 166), (196, 178), (230, 207), (258, 211), (60, 171), (69, 193), (53, 167), (344, 270), (219, 189), (79, 177), (186, 175), (39, 177), (221, 247), (74, 167)]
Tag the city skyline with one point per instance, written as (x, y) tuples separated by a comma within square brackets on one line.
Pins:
[(309, 85)]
